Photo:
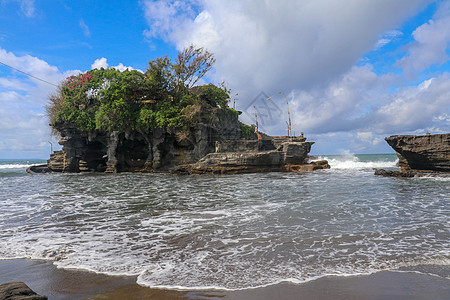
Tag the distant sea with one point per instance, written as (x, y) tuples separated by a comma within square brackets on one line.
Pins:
[(229, 232)]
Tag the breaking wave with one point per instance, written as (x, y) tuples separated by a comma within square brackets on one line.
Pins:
[(361, 162)]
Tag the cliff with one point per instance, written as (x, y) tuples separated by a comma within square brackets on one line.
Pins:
[(143, 151), (422, 152), (213, 147), (113, 121), (266, 155)]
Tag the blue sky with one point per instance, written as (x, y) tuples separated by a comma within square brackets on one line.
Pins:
[(354, 72)]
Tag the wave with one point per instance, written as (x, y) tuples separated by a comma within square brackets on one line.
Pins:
[(15, 166), (435, 177), (226, 232), (353, 162)]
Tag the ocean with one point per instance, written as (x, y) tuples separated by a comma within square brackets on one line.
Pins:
[(229, 232)]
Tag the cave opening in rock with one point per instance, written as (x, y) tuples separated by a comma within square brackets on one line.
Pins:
[(95, 157), (132, 155)]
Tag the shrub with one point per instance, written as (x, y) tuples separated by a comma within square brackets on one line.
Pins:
[(111, 100), (247, 132)]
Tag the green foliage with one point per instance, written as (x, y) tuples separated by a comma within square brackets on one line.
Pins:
[(247, 132), (233, 111), (104, 99), (108, 99), (216, 95)]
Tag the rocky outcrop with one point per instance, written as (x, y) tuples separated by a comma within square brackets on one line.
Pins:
[(18, 291), (411, 173), (425, 152), (211, 145), (57, 161), (286, 156), (392, 173), (138, 151), (37, 169)]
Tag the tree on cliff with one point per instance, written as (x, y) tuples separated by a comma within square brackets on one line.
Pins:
[(192, 64), (110, 100)]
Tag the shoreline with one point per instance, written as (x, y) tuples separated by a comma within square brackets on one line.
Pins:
[(46, 279)]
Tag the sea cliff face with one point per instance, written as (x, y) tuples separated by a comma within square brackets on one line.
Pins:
[(267, 155), (139, 151), (422, 152), (208, 147)]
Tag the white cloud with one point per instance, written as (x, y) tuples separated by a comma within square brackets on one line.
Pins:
[(360, 101), (432, 40), (365, 136), (85, 28), (363, 104), (273, 45), (24, 129), (164, 16), (417, 107), (100, 63), (387, 38), (35, 67), (26, 7), (122, 68), (308, 49), (103, 63)]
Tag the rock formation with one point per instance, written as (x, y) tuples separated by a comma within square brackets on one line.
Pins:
[(130, 121), (138, 151), (213, 147), (18, 291), (268, 155), (411, 173), (426, 152)]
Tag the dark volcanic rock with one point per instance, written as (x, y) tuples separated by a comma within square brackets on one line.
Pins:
[(286, 153), (38, 169), (18, 291), (212, 145), (288, 156), (426, 152), (411, 173), (402, 162), (137, 151), (389, 173)]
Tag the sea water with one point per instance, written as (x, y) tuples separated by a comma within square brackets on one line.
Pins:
[(229, 231)]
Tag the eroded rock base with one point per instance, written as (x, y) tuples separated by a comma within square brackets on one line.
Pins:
[(422, 152), (411, 173), (287, 156), (18, 291)]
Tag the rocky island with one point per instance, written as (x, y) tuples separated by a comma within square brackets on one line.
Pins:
[(112, 121), (420, 154)]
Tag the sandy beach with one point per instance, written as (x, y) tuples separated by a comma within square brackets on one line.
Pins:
[(45, 279)]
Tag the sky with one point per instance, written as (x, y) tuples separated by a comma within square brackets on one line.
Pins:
[(351, 72)]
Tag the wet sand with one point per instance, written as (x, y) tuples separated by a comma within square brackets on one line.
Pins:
[(45, 279)]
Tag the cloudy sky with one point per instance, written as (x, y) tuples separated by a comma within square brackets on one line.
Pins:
[(352, 71)]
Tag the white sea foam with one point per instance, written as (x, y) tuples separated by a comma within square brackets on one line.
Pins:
[(230, 232), (352, 162), (434, 177), (14, 166)]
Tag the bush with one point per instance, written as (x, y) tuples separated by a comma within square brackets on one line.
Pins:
[(247, 132), (215, 95), (111, 100)]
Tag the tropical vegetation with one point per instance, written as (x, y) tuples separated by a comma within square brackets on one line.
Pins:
[(161, 97)]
